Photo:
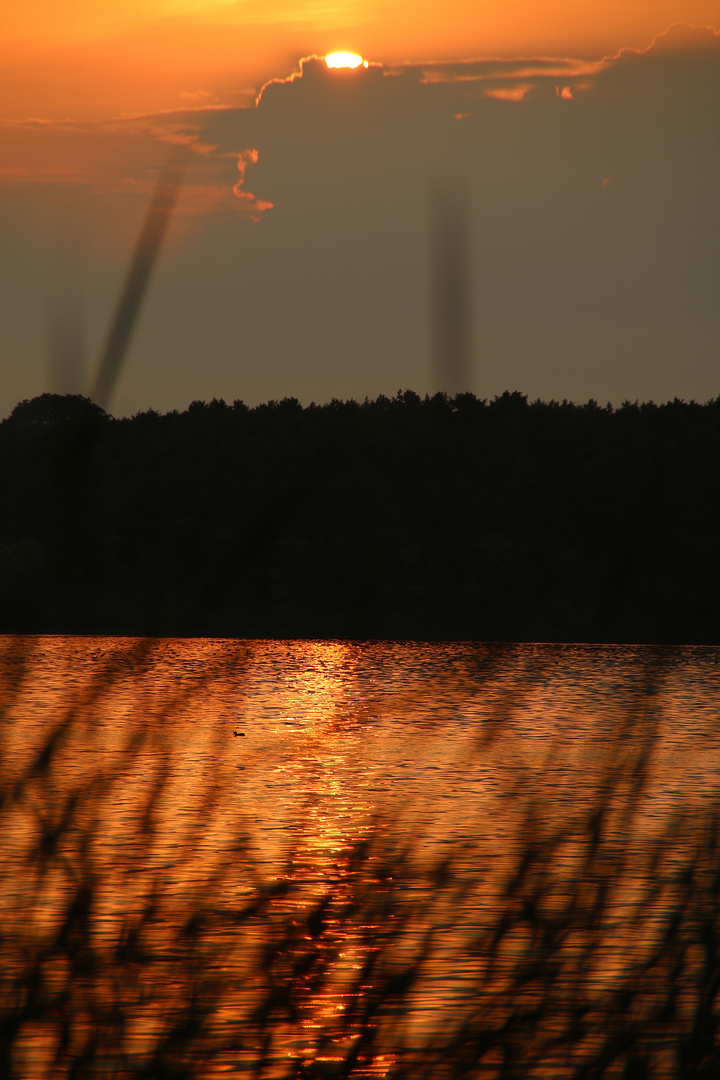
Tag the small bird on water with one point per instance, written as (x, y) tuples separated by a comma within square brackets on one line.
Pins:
[(240, 733)]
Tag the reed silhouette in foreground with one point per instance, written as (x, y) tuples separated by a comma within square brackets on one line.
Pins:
[(583, 952)]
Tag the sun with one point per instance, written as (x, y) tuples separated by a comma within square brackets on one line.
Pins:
[(344, 60)]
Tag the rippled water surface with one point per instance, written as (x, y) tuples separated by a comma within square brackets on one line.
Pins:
[(432, 734), (445, 755)]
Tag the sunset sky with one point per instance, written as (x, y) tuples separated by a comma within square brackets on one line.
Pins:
[(583, 137)]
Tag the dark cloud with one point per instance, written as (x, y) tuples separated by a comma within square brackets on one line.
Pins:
[(592, 210)]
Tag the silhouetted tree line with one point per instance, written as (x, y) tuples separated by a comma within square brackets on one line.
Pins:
[(405, 517)]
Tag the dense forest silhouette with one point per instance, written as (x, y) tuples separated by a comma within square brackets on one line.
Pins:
[(406, 517)]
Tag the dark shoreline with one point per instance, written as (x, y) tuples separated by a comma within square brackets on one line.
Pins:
[(404, 518)]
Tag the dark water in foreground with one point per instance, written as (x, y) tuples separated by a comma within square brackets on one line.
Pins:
[(445, 859)]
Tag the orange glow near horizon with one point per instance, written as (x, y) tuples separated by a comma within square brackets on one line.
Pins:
[(89, 62)]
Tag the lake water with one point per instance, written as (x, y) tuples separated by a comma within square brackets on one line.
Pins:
[(382, 809)]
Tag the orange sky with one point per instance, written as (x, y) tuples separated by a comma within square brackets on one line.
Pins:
[(90, 59), (594, 185)]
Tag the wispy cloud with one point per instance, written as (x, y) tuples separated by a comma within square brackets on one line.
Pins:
[(121, 157), (502, 69), (253, 207), (196, 97), (512, 79), (678, 38), (516, 92)]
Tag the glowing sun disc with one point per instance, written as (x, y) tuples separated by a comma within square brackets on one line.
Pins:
[(344, 60)]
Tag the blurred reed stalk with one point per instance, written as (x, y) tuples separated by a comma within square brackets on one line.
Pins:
[(451, 291)]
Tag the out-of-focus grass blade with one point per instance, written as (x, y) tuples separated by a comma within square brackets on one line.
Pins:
[(65, 316), (143, 262), (450, 283), (66, 347)]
